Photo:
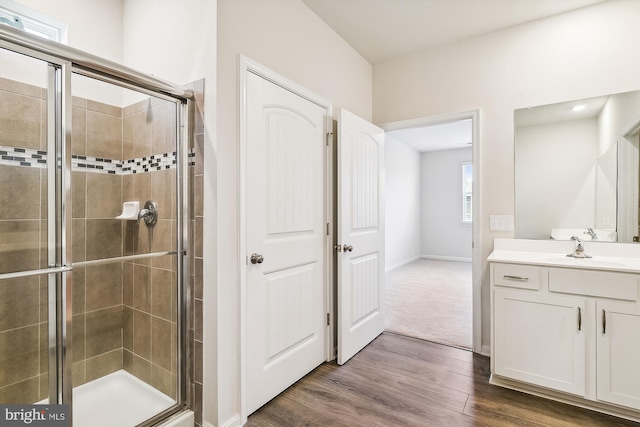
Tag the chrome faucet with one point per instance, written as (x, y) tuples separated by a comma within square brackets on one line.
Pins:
[(591, 233), (578, 252), (149, 213)]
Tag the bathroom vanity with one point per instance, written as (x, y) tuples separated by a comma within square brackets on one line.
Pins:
[(567, 328)]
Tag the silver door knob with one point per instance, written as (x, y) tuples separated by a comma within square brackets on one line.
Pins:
[(256, 258), (348, 248)]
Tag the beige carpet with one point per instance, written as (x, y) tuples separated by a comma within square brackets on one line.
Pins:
[(431, 300)]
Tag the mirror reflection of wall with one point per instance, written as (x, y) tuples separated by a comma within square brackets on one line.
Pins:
[(566, 167)]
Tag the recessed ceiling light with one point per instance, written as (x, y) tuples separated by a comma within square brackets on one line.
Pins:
[(578, 108)]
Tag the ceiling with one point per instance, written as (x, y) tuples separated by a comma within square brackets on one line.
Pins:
[(443, 136), (560, 112), (381, 30)]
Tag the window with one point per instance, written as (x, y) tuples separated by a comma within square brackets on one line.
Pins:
[(467, 192), (32, 21)]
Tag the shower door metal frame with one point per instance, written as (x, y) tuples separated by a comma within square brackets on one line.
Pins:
[(62, 62), (58, 269)]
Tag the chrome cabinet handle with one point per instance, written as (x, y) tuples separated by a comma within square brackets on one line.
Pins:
[(516, 278), (256, 258), (604, 322), (579, 319)]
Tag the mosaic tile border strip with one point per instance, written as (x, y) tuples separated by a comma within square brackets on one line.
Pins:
[(26, 157), (15, 156)]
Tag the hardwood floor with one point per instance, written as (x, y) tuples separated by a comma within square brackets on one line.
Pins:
[(402, 381)]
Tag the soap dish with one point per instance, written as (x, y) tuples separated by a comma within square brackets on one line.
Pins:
[(129, 211)]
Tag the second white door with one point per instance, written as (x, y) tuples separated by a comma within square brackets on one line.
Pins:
[(360, 259)]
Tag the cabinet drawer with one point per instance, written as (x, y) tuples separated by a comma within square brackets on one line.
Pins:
[(517, 276), (594, 283)]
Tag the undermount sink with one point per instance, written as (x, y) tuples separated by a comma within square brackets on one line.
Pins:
[(583, 234)]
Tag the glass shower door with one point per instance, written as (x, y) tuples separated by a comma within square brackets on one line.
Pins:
[(124, 174), (29, 230)]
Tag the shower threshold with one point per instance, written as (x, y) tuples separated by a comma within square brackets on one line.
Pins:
[(117, 399)]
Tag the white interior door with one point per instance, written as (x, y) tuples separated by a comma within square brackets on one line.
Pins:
[(285, 239), (360, 246)]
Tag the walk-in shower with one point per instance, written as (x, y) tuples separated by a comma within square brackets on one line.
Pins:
[(93, 294)]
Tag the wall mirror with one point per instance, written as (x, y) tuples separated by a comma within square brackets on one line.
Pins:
[(576, 169)]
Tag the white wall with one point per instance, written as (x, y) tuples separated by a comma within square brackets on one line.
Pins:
[(93, 26), (619, 113), (443, 235), (555, 177), (287, 37), (589, 52), (402, 203)]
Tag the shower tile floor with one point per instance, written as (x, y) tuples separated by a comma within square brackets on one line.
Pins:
[(118, 399)]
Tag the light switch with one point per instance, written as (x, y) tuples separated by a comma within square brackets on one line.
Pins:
[(501, 222)]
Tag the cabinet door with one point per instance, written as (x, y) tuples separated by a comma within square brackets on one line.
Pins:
[(618, 345), (540, 339)]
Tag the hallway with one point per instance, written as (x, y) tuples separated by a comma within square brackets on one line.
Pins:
[(432, 300)]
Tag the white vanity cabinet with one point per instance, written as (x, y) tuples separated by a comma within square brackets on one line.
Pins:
[(618, 353), (571, 334), (540, 339)]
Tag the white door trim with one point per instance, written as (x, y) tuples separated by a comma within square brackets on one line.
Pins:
[(246, 65), (476, 253)]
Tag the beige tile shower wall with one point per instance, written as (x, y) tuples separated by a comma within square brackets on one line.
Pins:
[(150, 287), (97, 200), (23, 308), (196, 260)]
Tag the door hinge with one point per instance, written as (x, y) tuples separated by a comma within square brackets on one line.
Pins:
[(328, 319), (329, 137)]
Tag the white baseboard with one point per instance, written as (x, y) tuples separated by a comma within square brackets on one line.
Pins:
[(183, 419), (445, 258), (231, 422), (486, 350), (401, 263)]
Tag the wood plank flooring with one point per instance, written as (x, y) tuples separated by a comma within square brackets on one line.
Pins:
[(402, 381)]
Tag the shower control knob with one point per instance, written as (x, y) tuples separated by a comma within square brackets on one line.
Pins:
[(256, 258)]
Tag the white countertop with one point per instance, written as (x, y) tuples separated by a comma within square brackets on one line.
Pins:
[(622, 257)]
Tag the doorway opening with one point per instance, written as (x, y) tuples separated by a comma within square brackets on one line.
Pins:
[(431, 187)]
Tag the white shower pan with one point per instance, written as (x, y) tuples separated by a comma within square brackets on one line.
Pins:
[(117, 399)]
